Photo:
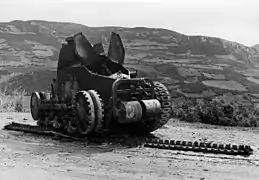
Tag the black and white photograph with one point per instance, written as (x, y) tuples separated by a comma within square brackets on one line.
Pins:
[(129, 89)]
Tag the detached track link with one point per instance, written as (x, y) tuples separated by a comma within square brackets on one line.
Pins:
[(200, 147), (37, 130), (34, 129)]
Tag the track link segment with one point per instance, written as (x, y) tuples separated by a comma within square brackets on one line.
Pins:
[(195, 146), (34, 129), (227, 149)]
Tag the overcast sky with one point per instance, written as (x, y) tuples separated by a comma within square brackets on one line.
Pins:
[(234, 20)]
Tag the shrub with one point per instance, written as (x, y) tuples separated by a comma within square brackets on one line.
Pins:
[(13, 102), (216, 112), (18, 106)]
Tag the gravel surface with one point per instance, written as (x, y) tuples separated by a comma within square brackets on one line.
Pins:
[(29, 157)]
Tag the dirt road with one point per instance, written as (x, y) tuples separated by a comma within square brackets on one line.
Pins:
[(30, 157)]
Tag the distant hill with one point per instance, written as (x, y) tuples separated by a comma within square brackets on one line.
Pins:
[(256, 47), (196, 66)]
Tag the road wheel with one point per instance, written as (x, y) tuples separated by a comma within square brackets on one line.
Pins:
[(85, 113), (98, 109)]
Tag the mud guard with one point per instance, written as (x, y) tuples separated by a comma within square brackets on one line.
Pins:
[(84, 49), (116, 51)]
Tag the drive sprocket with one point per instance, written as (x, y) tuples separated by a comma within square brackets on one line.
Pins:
[(163, 96)]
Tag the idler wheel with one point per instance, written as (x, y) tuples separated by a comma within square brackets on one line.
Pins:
[(85, 113), (35, 102), (163, 96)]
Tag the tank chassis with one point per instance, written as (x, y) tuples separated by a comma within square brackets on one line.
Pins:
[(94, 93)]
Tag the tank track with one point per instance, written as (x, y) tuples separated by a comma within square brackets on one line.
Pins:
[(164, 97), (34, 129), (227, 149)]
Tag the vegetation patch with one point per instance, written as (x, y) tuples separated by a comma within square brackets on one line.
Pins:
[(13, 102), (216, 112)]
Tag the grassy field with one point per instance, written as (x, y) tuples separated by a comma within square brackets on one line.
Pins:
[(220, 111)]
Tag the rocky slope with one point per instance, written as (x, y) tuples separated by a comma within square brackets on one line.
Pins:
[(188, 65)]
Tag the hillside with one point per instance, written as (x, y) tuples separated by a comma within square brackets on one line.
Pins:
[(256, 47), (194, 66)]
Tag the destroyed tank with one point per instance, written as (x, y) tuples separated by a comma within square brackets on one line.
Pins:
[(95, 93)]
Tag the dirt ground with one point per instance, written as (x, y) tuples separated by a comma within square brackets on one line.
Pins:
[(29, 157)]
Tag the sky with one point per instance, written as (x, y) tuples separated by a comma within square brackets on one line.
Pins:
[(234, 20)]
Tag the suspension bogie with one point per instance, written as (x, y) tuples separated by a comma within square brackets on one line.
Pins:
[(139, 102)]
